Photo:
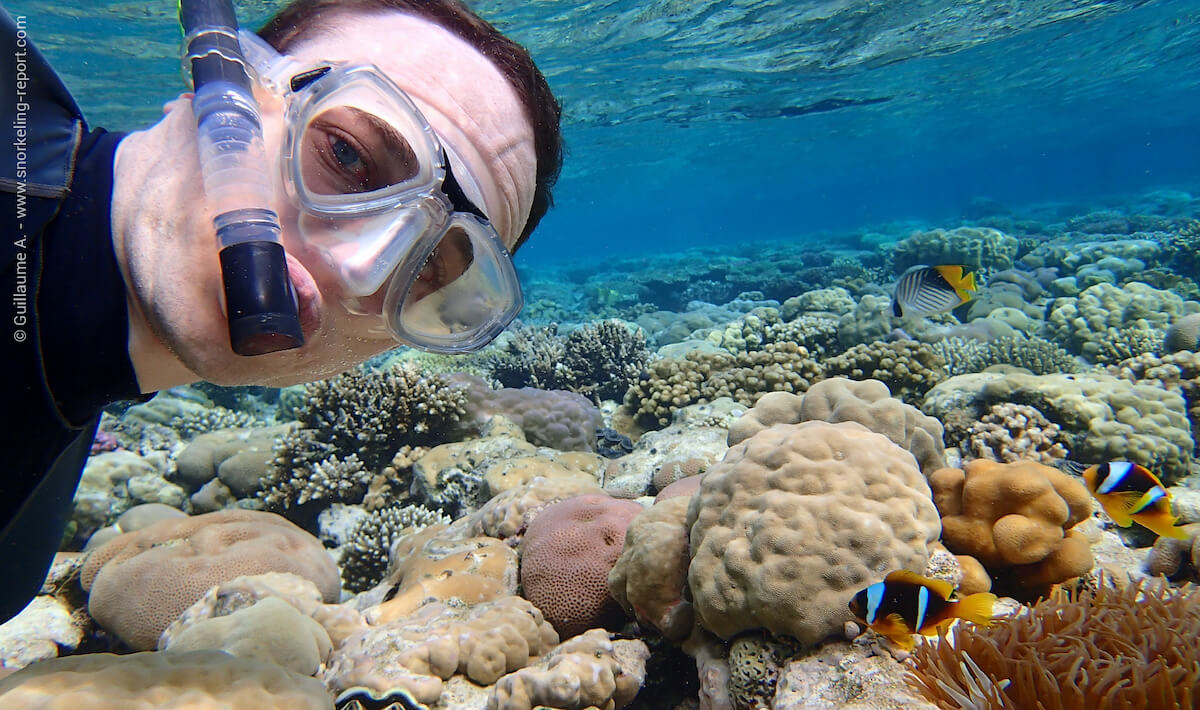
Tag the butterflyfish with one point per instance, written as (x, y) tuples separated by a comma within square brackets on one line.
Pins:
[(925, 290)]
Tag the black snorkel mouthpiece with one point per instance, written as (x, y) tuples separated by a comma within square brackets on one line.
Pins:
[(259, 296)]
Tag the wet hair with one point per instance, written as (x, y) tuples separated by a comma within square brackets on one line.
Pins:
[(302, 19)]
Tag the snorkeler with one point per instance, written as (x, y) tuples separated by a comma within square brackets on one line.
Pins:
[(383, 159)]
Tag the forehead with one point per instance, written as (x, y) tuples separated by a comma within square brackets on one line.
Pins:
[(465, 98)]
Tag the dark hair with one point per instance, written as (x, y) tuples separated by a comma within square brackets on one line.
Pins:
[(301, 17)]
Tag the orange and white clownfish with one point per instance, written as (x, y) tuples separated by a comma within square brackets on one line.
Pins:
[(1130, 493), (905, 603)]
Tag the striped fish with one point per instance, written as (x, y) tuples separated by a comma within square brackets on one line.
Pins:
[(1130, 493), (925, 290), (905, 603)]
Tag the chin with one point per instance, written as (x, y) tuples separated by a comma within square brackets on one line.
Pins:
[(325, 353)]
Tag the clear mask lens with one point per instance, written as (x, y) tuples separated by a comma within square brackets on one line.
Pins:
[(358, 144), (464, 293)]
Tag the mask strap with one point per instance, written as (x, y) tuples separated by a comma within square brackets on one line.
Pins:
[(454, 191)]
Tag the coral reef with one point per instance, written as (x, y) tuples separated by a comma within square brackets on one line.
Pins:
[(1107, 323), (838, 399), (973, 247), (588, 671), (566, 556), (434, 566), (795, 520), (350, 428), (364, 559), (1033, 353), (419, 652), (1108, 647), (1101, 417), (1016, 519), (599, 360), (139, 582), (562, 420), (649, 579), (1013, 432), (271, 631), (146, 681), (908, 368), (1178, 372), (673, 383)]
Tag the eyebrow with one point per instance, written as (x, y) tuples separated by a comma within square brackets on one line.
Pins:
[(393, 141)]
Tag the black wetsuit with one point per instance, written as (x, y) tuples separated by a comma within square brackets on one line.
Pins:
[(65, 329)]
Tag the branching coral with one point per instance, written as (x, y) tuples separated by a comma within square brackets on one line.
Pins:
[(350, 428), (1012, 432), (908, 368), (366, 557), (1118, 649), (602, 359), (673, 383), (530, 357), (598, 360)]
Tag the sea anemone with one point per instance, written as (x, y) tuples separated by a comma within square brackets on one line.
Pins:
[(1103, 648)]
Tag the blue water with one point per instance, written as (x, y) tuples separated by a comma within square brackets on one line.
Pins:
[(697, 122)]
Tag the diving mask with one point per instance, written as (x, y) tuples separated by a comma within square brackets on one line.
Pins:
[(379, 205)]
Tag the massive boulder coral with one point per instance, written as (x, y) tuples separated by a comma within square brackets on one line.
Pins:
[(140, 582), (433, 566), (1102, 418), (508, 515), (338, 620), (589, 671), (974, 247), (1104, 316), (562, 420), (649, 579), (460, 476), (148, 681), (1016, 519), (796, 519), (837, 399), (271, 631), (418, 652), (566, 556)]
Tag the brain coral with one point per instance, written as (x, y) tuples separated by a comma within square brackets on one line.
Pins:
[(838, 399), (796, 519), (566, 557), (140, 582), (1016, 519)]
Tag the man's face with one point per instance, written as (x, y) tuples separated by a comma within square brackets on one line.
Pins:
[(163, 226)]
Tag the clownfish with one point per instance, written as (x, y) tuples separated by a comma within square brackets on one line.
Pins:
[(926, 290), (905, 603), (1130, 493)]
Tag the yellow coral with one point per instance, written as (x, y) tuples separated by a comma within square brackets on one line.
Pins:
[(1015, 519)]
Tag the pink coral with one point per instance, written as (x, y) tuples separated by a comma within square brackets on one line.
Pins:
[(567, 553)]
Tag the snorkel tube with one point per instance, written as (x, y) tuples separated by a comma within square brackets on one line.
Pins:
[(260, 301)]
